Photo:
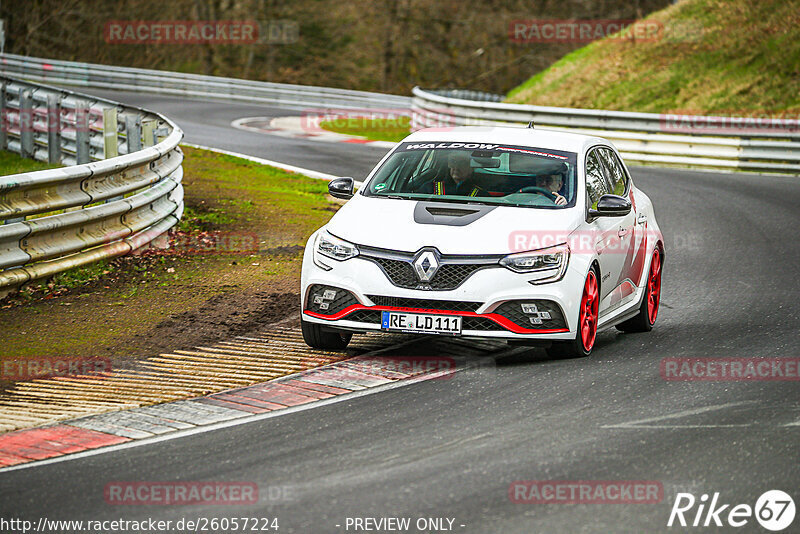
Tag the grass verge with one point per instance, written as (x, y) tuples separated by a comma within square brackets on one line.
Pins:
[(11, 163), (728, 57)]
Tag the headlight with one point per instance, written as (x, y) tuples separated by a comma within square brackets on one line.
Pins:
[(547, 264), (334, 248)]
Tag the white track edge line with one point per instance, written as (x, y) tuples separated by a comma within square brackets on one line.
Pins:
[(284, 166)]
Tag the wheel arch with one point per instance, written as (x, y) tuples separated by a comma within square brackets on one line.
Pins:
[(595, 266)]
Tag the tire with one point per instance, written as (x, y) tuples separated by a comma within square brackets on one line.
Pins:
[(316, 338), (586, 335), (648, 310)]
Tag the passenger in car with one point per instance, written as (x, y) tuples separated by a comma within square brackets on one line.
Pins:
[(460, 179)]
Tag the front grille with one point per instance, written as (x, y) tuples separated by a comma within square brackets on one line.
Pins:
[(480, 323), (365, 316), (449, 276), (426, 304), (512, 310), (401, 273), (335, 300)]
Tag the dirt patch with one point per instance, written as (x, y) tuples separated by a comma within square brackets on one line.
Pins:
[(221, 316)]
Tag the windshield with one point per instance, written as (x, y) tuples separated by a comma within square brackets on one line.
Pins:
[(478, 172)]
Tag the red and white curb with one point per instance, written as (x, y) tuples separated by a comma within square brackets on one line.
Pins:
[(302, 127), (321, 385)]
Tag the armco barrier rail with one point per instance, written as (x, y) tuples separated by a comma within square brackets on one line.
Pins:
[(644, 138), (193, 85), (120, 190)]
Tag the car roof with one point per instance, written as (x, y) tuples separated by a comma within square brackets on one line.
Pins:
[(532, 137)]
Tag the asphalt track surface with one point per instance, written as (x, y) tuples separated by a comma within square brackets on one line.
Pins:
[(451, 448)]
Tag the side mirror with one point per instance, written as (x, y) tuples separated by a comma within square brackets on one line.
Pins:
[(611, 206), (341, 187)]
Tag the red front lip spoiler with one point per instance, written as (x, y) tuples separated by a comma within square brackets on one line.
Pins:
[(499, 319)]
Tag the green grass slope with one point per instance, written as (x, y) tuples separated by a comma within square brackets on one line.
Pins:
[(732, 57)]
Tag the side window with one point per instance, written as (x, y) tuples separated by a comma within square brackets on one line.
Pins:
[(616, 174), (597, 184)]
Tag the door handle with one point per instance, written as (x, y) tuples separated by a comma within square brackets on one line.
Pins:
[(641, 219), (622, 232)]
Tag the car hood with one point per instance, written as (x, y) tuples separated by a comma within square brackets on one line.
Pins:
[(408, 225)]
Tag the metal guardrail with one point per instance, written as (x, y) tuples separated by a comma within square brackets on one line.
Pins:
[(120, 190), (643, 138), (194, 85)]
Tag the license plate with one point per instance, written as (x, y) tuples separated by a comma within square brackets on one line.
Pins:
[(421, 324)]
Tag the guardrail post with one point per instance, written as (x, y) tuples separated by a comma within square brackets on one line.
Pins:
[(82, 132), (25, 123), (133, 131), (3, 118), (53, 129), (149, 132), (62, 237), (110, 139)]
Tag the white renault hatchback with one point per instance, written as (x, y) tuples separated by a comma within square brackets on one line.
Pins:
[(532, 236)]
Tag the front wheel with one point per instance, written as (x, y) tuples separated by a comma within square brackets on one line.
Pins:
[(587, 324), (648, 311), (316, 338)]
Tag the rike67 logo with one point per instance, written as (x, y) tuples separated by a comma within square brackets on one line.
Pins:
[(774, 510)]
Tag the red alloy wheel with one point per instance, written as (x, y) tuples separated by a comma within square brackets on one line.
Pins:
[(587, 320), (654, 287)]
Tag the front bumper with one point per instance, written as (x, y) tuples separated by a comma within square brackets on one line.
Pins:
[(489, 301)]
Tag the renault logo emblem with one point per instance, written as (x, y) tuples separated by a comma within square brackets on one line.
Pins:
[(426, 264)]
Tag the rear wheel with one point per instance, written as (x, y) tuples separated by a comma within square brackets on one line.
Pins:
[(648, 311), (317, 338), (587, 324)]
